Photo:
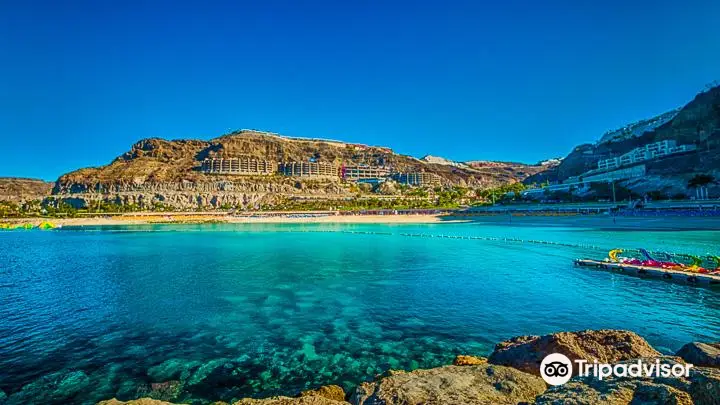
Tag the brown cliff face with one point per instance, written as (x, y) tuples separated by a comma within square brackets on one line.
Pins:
[(168, 172), (20, 190)]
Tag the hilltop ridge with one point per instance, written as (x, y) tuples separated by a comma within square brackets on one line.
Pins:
[(697, 125), (170, 172)]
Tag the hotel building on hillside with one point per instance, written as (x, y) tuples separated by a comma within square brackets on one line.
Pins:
[(363, 172), (417, 178), (643, 153), (238, 165), (308, 169)]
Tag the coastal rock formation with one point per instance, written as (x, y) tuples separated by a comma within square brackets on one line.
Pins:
[(607, 346), (701, 387), (306, 400), (141, 401), (701, 354), (705, 386), (474, 381), (160, 172), (462, 360), (334, 392), (481, 384)]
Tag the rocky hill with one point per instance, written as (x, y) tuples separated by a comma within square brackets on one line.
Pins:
[(638, 128), (168, 172), (697, 123), (20, 189)]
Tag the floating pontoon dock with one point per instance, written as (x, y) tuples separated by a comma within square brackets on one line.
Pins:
[(703, 279)]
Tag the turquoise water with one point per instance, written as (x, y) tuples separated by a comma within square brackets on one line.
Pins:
[(255, 310)]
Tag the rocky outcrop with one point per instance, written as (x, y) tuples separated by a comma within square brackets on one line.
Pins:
[(472, 380), (157, 171), (480, 384), (606, 346), (462, 360), (701, 387), (614, 392), (20, 190), (307, 400), (234, 193), (141, 401), (334, 392), (701, 354)]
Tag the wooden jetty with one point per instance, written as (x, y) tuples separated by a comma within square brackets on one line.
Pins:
[(679, 276)]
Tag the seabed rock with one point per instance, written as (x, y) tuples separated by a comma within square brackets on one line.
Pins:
[(701, 354), (172, 369), (607, 346), (52, 387), (165, 391)]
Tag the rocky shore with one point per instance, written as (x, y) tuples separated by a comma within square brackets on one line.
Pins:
[(510, 375)]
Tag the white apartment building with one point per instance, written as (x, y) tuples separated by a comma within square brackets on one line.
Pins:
[(643, 153)]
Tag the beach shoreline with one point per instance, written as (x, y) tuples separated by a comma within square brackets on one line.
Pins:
[(597, 221), (260, 218)]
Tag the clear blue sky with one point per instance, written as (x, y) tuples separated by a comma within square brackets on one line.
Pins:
[(80, 81)]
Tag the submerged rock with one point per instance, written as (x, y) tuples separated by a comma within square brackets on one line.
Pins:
[(52, 388), (165, 391), (171, 369), (481, 384), (701, 354), (462, 360), (607, 346), (333, 392)]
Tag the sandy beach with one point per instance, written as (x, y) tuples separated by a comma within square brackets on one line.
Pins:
[(576, 221), (193, 218)]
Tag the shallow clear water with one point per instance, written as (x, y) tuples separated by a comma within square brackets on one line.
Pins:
[(255, 310)]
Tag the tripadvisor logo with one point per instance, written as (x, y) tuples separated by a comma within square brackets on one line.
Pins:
[(557, 369)]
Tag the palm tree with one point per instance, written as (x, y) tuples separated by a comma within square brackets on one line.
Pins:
[(701, 180)]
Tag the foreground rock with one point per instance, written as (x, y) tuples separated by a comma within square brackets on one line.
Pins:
[(334, 392), (141, 401), (480, 384), (462, 360), (306, 400), (701, 387), (701, 354), (472, 380), (607, 346)]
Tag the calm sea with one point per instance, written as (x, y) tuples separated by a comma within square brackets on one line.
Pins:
[(255, 310)]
